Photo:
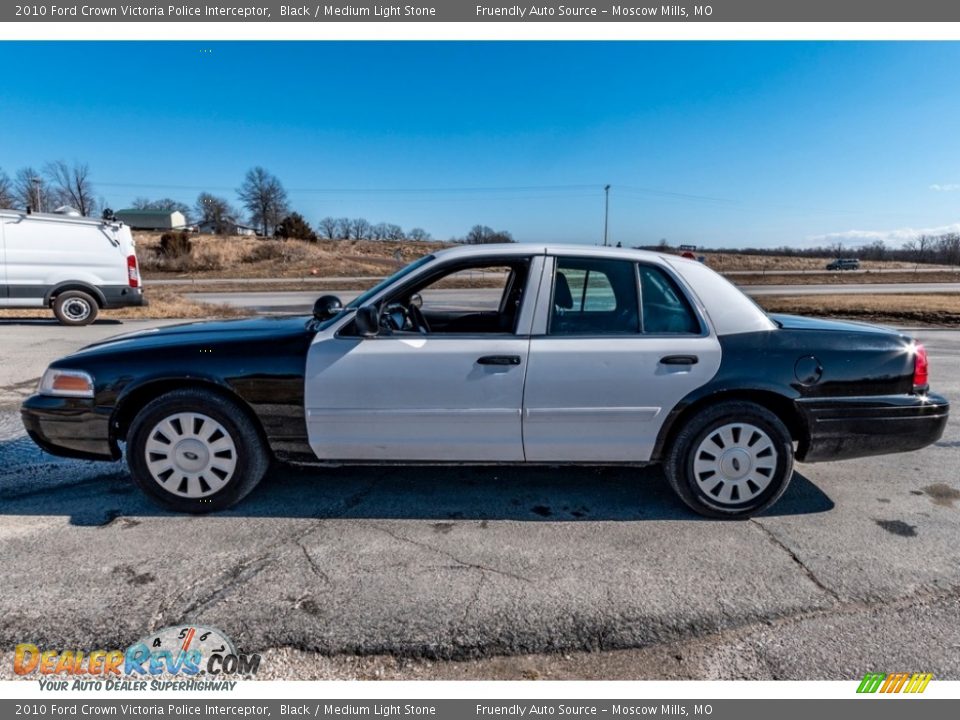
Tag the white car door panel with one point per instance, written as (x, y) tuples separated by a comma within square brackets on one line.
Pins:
[(410, 397), (605, 399)]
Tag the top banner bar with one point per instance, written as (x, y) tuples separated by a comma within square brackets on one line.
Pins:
[(894, 11)]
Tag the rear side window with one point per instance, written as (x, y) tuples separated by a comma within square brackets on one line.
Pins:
[(594, 297), (665, 308)]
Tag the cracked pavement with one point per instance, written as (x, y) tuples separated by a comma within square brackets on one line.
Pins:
[(501, 572)]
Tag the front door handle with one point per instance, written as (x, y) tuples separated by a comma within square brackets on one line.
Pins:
[(499, 360), (679, 360)]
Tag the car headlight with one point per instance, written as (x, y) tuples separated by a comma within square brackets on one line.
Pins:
[(66, 383)]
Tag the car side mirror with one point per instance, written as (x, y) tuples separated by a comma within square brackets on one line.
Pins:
[(368, 321), (326, 307)]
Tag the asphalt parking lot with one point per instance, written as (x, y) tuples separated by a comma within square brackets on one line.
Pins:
[(856, 569)]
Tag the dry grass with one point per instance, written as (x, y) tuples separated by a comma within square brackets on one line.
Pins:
[(246, 257), (836, 278), (165, 303), (942, 309), (727, 262)]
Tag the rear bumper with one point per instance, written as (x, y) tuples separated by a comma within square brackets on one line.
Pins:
[(122, 296), (69, 427), (852, 427)]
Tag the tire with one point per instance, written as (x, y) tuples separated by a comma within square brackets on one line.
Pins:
[(75, 307), (212, 458), (751, 465)]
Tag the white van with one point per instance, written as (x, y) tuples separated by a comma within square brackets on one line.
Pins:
[(75, 265)]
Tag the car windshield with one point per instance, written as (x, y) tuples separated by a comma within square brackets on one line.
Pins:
[(362, 299)]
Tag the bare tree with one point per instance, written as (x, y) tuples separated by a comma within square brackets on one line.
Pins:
[(263, 196), (395, 233), (217, 211), (360, 229), (328, 226), (949, 248), (7, 193), (378, 232), (482, 234), (418, 234), (478, 234), (344, 229), (71, 186), (30, 189)]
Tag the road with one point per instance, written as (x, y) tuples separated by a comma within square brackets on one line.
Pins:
[(302, 301), (857, 568)]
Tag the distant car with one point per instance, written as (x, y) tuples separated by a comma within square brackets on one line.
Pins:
[(579, 356), (844, 264), (73, 265)]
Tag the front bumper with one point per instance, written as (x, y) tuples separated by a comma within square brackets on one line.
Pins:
[(69, 427), (852, 427)]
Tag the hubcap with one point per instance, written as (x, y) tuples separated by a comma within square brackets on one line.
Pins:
[(735, 463), (76, 309), (190, 455)]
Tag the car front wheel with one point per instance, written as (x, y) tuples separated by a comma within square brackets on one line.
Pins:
[(732, 460), (195, 451)]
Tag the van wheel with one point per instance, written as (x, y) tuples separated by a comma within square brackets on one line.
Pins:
[(75, 307), (195, 451), (732, 460)]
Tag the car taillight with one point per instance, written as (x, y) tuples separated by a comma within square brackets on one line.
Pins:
[(133, 273), (921, 368)]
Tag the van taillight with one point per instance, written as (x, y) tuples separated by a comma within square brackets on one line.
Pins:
[(921, 368), (133, 273)]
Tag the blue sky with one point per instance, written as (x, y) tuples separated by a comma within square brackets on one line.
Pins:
[(711, 143)]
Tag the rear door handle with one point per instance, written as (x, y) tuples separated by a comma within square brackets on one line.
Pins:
[(679, 360), (499, 360)]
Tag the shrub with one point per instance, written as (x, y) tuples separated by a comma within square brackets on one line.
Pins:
[(175, 245)]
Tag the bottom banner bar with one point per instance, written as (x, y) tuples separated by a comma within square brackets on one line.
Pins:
[(875, 709)]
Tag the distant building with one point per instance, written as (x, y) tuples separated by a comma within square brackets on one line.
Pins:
[(230, 227), (152, 219)]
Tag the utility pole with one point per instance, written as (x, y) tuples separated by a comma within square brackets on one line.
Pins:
[(36, 186), (606, 212)]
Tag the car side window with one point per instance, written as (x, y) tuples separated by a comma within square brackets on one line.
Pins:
[(665, 308), (594, 297)]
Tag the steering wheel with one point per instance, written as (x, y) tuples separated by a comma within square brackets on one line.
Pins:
[(417, 319), (394, 317)]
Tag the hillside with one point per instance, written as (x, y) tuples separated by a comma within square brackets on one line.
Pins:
[(245, 257)]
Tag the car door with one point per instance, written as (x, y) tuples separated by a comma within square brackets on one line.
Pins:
[(433, 397), (615, 346)]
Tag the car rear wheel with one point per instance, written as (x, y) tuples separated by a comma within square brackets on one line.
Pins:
[(733, 460), (195, 451), (75, 307)]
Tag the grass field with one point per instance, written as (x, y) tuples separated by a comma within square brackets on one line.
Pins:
[(246, 257), (906, 309), (236, 257), (728, 262)]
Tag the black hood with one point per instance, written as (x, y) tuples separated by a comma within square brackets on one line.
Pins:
[(260, 329)]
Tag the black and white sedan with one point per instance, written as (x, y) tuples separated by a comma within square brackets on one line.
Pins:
[(518, 353)]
